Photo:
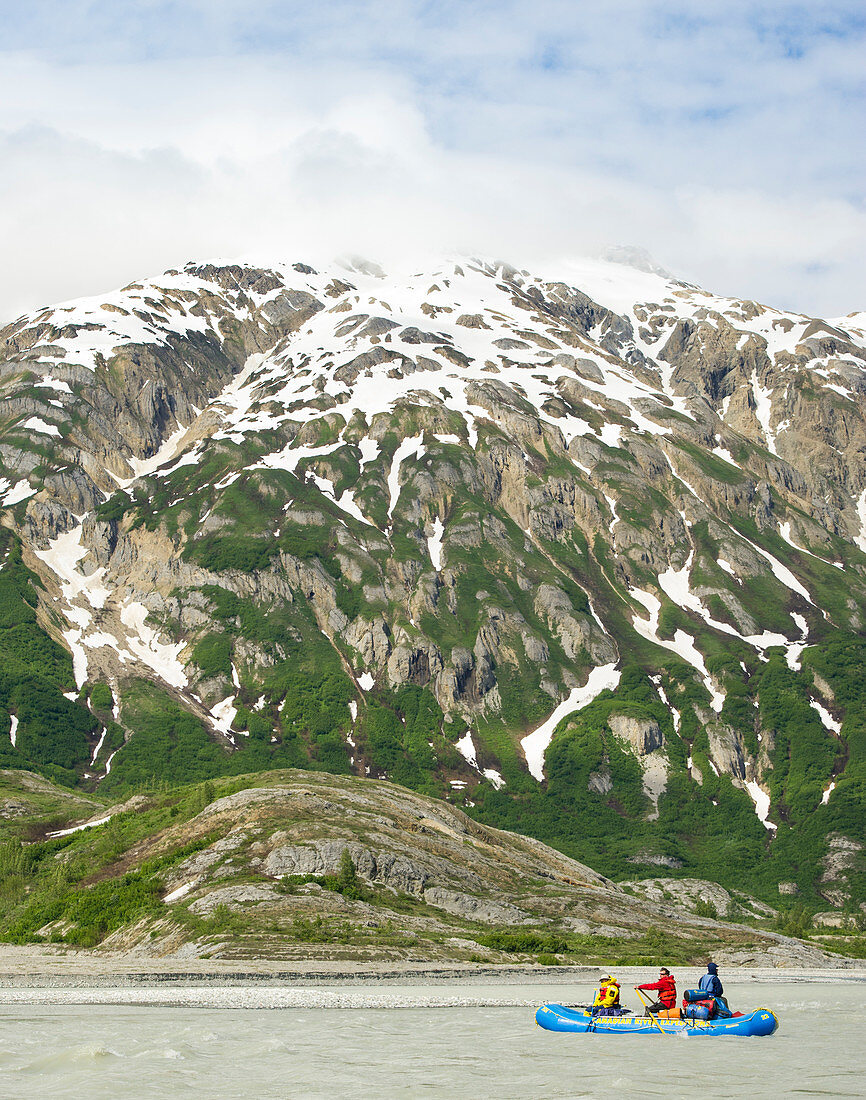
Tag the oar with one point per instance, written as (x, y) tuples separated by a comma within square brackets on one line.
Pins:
[(646, 1005)]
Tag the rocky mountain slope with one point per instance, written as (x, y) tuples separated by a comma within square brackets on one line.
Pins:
[(581, 551)]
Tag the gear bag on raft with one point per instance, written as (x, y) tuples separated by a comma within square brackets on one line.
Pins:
[(698, 1005)]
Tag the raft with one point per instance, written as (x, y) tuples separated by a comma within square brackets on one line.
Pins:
[(559, 1018)]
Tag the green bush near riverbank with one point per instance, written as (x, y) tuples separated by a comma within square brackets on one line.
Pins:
[(80, 914), (524, 943), (655, 947)]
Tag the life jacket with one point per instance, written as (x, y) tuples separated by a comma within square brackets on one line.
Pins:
[(667, 990), (607, 996), (711, 983), (666, 987)]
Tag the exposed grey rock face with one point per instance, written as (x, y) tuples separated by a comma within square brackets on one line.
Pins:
[(790, 954), (600, 781), (654, 859), (481, 909), (688, 893), (726, 749), (10, 807), (841, 857), (371, 640), (644, 735), (233, 897), (208, 858), (417, 664), (554, 607), (833, 919), (324, 857)]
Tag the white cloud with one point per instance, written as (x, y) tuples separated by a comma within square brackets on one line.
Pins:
[(727, 144)]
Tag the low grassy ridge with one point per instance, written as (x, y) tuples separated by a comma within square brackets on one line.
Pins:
[(402, 876)]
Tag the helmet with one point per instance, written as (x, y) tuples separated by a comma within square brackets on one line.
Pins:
[(606, 978)]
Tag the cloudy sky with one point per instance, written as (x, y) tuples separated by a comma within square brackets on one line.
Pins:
[(727, 138)]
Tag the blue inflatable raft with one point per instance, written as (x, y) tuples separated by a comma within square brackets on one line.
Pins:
[(559, 1018)]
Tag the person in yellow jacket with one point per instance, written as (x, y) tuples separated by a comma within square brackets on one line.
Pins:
[(606, 1001)]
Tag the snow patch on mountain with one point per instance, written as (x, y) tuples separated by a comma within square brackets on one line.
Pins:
[(141, 467), (223, 714), (62, 557), (466, 748), (434, 544), (762, 804), (675, 584), (412, 446), (860, 539), (682, 644), (14, 494), (98, 747), (144, 642), (535, 744), (827, 719), (764, 412), (36, 424)]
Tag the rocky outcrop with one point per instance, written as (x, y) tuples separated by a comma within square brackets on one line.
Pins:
[(643, 735), (233, 897), (323, 858), (726, 749), (695, 895), (474, 908), (842, 857)]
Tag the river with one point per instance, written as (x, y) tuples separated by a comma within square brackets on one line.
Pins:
[(95, 1051)]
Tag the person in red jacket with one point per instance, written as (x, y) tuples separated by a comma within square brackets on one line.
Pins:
[(667, 991)]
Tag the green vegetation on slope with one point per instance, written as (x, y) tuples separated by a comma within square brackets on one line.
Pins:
[(52, 734)]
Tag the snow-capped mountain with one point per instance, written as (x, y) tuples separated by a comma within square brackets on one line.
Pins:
[(583, 549)]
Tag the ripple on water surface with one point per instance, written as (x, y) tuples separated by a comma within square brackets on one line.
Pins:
[(97, 1052)]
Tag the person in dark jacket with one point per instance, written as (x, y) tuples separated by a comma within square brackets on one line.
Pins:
[(667, 991), (710, 981)]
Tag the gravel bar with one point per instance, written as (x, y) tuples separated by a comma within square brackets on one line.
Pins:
[(394, 987)]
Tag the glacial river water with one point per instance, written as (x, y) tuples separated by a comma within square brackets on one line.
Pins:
[(100, 1051)]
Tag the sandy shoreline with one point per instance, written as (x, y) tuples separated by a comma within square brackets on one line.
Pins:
[(47, 976)]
